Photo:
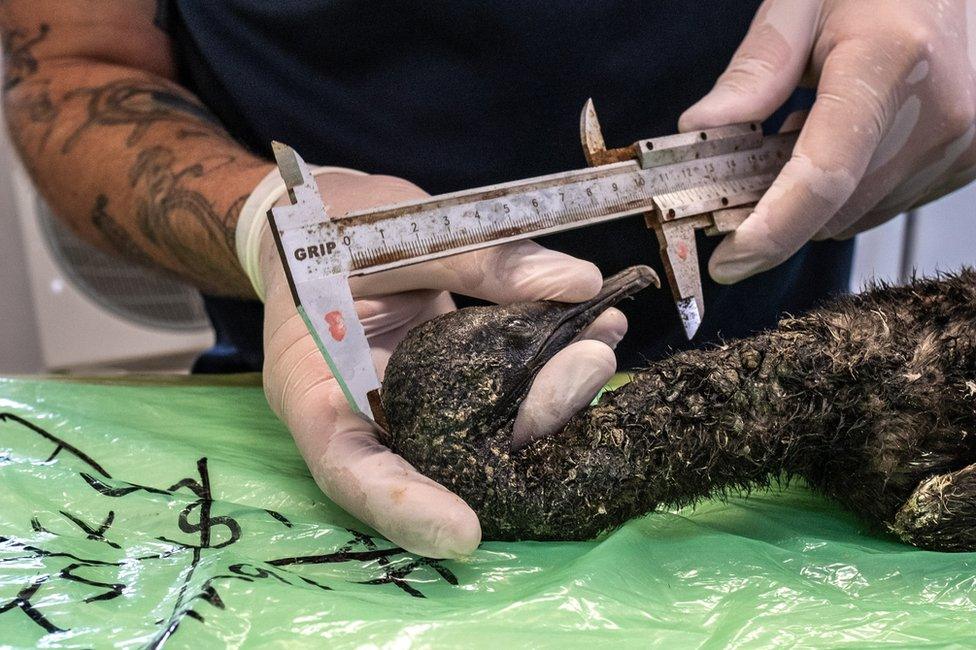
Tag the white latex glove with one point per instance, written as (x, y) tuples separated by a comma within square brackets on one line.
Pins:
[(342, 452), (892, 127)]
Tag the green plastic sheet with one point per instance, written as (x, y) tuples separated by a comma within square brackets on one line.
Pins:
[(180, 514)]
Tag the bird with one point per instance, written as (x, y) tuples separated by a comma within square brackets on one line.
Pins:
[(870, 398)]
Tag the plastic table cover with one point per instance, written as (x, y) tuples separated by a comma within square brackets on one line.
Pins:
[(179, 513)]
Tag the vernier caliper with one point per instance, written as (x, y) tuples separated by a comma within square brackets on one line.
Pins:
[(706, 179)]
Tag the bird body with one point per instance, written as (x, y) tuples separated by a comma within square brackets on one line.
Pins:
[(871, 399)]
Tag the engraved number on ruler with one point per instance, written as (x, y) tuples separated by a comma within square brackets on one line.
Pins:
[(494, 219)]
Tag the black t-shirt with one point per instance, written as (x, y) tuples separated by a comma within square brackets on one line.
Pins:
[(457, 94)]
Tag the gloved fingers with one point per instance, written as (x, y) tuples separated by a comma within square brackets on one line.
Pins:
[(513, 272), (377, 486), (903, 182), (392, 313), (822, 174), (345, 193), (764, 70), (566, 384), (392, 317), (609, 328)]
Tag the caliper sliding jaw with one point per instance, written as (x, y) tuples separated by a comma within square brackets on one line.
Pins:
[(676, 216)]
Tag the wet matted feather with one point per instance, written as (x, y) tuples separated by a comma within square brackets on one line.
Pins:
[(872, 399)]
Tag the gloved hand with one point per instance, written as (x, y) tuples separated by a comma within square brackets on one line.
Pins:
[(892, 127), (342, 451)]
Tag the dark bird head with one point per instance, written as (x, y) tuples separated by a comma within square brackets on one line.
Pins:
[(460, 378)]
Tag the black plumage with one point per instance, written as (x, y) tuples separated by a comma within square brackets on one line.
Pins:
[(871, 399)]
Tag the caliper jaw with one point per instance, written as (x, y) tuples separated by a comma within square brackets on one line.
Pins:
[(320, 284), (680, 256), (677, 215)]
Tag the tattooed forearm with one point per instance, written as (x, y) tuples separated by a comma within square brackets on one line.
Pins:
[(175, 198), (133, 162), (116, 235), (138, 104), (35, 106), (19, 61), (170, 216), (177, 218)]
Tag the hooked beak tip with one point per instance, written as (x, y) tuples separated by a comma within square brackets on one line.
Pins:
[(624, 284), (615, 288)]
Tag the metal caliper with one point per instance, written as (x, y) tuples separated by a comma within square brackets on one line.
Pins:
[(681, 183)]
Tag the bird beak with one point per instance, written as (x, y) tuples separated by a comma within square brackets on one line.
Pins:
[(577, 317)]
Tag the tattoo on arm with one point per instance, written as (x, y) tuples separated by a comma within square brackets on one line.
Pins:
[(117, 236), (162, 217), (175, 220), (34, 103), (170, 214), (163, 195), (18, 56), (138, 104)]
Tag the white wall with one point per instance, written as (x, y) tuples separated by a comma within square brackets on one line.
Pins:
[(20, 351), (940, 236), (946, 234)]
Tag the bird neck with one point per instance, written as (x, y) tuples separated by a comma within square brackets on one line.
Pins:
[(714, 423)]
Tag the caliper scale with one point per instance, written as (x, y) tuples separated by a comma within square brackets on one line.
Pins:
[(680, 183)]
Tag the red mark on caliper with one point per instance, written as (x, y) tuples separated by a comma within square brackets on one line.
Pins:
[(337, 325), (682, 250)]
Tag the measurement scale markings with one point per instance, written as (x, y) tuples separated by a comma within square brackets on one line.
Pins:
[(773, 146), (474, 219), (521, 228)]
